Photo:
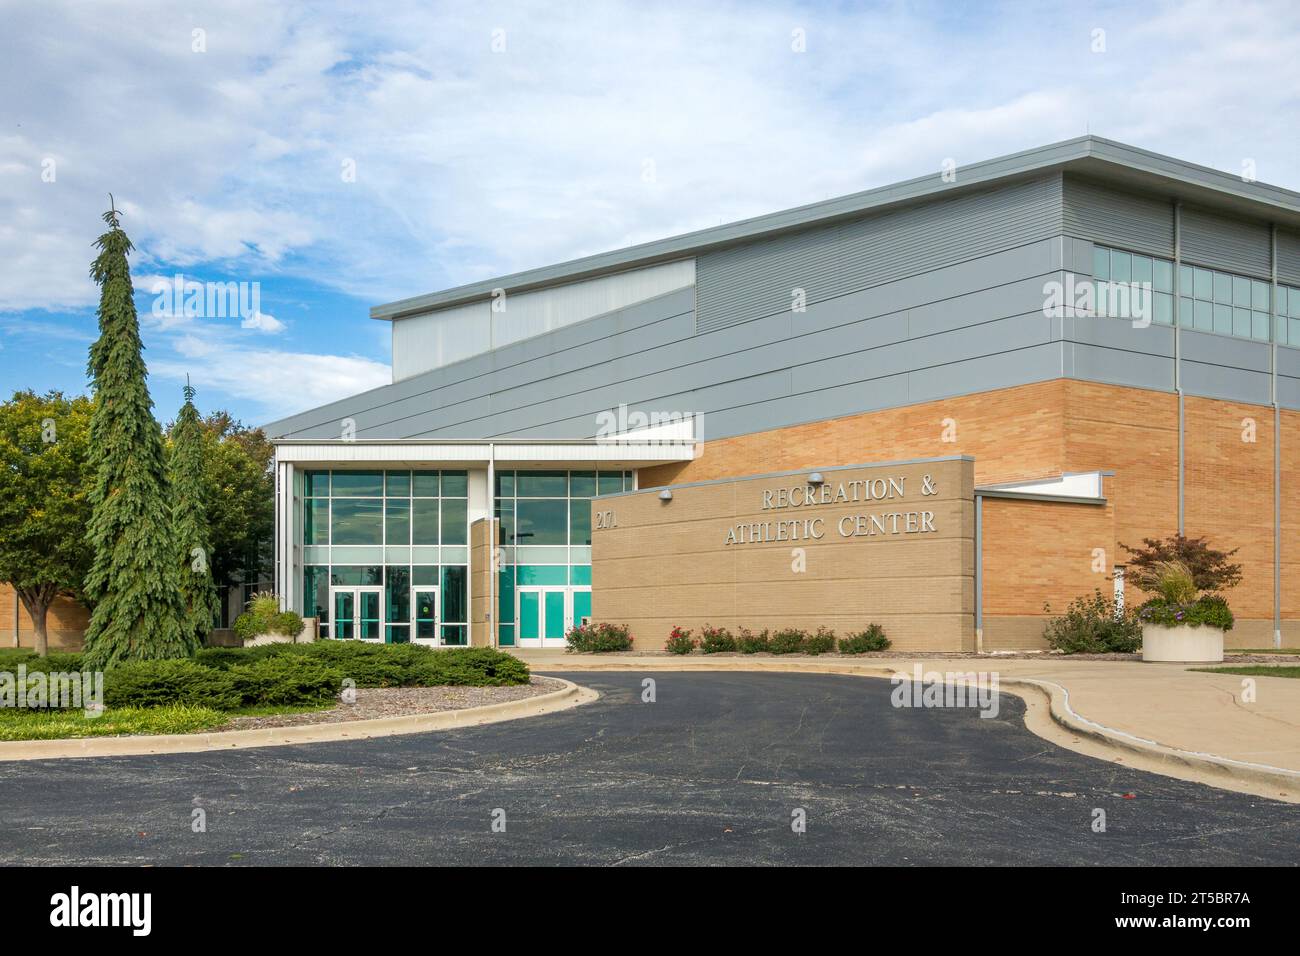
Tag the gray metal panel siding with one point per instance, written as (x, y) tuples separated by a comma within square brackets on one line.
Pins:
[(1114, 218), (1288, 256), (1222, 243), (745, 282)]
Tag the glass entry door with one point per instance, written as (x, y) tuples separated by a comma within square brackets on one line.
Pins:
[(358, 613), (544, 615), (424, 615)]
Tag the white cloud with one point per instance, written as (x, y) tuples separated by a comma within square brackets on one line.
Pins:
[(279, 383), (470, 163), (262, 323)]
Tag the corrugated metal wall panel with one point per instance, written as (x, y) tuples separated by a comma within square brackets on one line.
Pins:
[(1222, 243), (757, 279), (1129, 221), (1288, 256)]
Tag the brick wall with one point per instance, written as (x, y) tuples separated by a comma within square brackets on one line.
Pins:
[(66, 623), (1047, 428)]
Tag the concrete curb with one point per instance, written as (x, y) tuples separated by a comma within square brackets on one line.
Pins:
[(571, 695), (1062, 726)]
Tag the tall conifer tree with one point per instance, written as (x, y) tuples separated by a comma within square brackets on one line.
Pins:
[(190, 518), (133, 579)]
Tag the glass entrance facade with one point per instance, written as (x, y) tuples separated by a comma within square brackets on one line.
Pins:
[(546, 543), (393, 529)]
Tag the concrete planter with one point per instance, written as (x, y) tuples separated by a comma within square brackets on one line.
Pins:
[(1182, 644), (307, 636)]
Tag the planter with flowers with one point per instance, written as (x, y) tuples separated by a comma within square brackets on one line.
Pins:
[(1182, 623)]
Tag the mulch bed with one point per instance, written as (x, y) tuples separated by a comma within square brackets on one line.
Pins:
[(378, 702)]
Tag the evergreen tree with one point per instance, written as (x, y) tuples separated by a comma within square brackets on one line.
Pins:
[(190, 518), (133, 578)]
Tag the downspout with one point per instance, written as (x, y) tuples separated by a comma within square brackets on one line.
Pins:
[(16, 617), (979, 573), (1277, 451), (1178, 367), (493, 545)]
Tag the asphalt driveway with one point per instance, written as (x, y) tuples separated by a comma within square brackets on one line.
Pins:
[(713, 772)]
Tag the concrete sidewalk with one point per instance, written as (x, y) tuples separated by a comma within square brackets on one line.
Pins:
[(1163, 717)]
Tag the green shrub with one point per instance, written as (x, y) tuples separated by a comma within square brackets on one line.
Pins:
[(55, 662), (823, 642), (862, 642), (788, 641), (751, 643), (285, 680), (716, 640), (1210, 610), (157, 683), (1093, 625), (223, 658), (599, 638), (679, 641), (289, 623), (469, 667)]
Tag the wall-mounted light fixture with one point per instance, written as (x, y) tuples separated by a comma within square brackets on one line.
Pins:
[(665, 495), (816, 478)]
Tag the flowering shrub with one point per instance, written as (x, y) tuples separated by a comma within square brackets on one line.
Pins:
[(680, 641), (716, 640), (750, 643), (598, 638), (1210, 610), (787, 641), (872, 639)]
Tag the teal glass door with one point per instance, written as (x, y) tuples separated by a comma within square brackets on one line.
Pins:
[(424, 616), (370, 615), (344, 614), (358, 613), (543, 614)]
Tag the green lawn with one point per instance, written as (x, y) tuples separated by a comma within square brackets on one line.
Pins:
[(1259, 670), (1263, 650), (25, 724)]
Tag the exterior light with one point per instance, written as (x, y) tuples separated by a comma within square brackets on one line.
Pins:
[(665, 495), (816, 478)]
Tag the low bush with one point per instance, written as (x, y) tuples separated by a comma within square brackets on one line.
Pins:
[(863, 642), (1094, 625), (598, 638), (716, 640), (823, 642), (159, 683), (387, 665), (55, 661), (788, 641), (750, 643), (468, 667), (680, 641), (285, 680), (1210, 610)]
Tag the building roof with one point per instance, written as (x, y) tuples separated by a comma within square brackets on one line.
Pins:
[(1093, 156)]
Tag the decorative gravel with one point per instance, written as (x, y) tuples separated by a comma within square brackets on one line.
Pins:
[(401, 702)]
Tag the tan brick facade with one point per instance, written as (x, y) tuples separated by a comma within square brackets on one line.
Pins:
[(65, 624), (1036, 553), (741, 554)]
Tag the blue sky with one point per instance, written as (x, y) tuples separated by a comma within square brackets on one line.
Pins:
[(486, 138)]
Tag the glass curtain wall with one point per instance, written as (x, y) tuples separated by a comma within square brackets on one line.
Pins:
[(546, 535), (395, 529)]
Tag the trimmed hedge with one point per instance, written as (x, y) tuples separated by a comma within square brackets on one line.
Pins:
[(159, 683), (388, 665), (285, 681)]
